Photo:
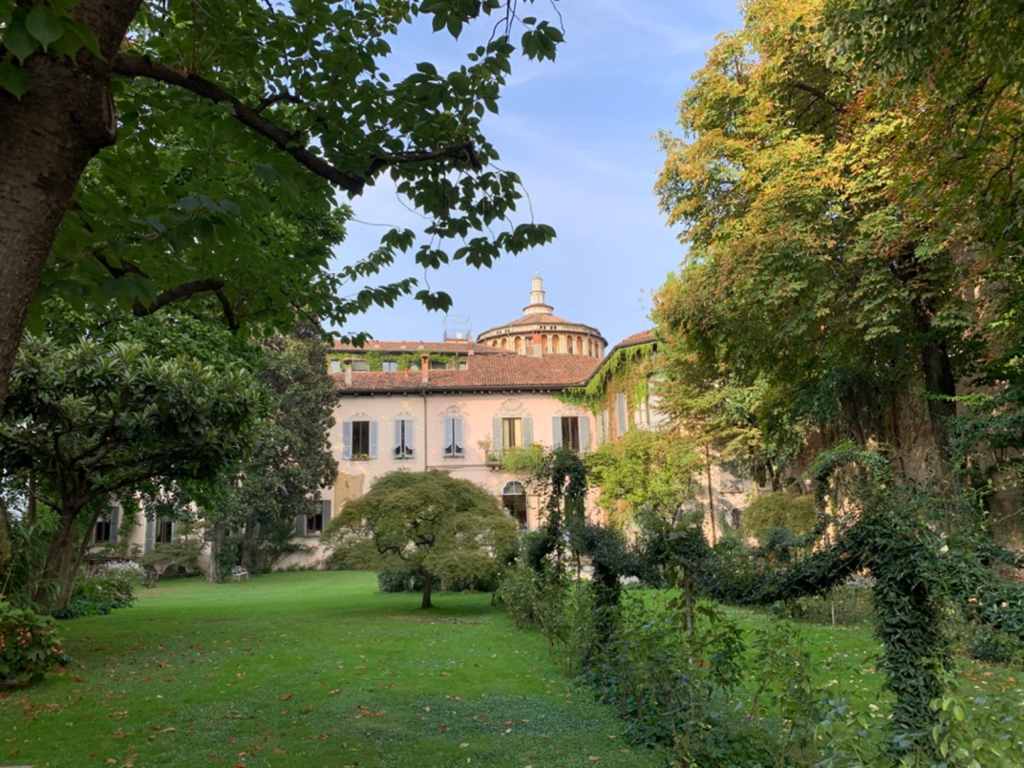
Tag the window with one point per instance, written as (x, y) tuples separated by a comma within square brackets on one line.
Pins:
[(164, 531), (360, 365), (389, 365), (436, 365), (511, 433), (453, 442), (105, 532), (360, 439), (570, 437), (403, 439), (315, 523), (335, 366), (513, 499)]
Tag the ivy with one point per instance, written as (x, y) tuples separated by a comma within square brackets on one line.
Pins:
[(624, 370)]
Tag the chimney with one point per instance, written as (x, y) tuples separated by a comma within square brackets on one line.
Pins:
[(424, 367), (348, 373)]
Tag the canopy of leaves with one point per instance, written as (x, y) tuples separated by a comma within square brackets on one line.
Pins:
[(425, 522), (240, 122), (113, 411)]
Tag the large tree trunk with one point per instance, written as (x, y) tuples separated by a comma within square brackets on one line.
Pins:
[(46, 140), (428, 583), (58, 561), (216, 542), (68, 579), (940, 384)]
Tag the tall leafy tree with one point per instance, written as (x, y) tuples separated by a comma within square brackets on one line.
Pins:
[(291, 457), (165, 151), (122, 409), (806, 269)]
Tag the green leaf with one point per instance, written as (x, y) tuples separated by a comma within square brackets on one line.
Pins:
[(44, 25), (17, 39), (13, 79)]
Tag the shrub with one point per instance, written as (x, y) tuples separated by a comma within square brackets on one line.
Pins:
[(781, 509), (99, 595), (179, 558), (995, 647), (29, 647)]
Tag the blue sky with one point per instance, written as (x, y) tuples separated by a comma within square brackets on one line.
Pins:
[(581, 133)]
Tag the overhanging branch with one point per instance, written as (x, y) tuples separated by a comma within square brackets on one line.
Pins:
[(144, 66)]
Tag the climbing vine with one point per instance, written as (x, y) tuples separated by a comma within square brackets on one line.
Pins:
[(625, 370)]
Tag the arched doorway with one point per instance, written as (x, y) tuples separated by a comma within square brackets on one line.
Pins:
[(513, 499)]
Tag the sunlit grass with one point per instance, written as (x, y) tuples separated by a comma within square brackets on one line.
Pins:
[(306, 669)]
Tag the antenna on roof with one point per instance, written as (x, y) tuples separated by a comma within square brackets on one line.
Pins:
[(457, 328), (643, 307)]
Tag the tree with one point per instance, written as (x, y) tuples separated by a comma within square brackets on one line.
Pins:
[(426, 523), (159, 150), (810, 267), (109, 415), (291, 457)]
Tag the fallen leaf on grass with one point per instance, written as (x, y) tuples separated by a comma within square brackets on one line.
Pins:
[(287, 696)]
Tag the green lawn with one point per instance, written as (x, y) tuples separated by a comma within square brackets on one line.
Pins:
[(306, 669)]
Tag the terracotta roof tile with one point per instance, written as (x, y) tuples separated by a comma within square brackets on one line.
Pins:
[(637, 338), (490, 372)]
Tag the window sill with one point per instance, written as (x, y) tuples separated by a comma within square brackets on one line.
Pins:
[(359, 458), (405, 458), (455, 458)]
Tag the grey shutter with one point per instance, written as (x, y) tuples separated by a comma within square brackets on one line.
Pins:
[(620, 412), (373, 439), (410, 438), (398, 438), (556, 432), (346, 440), (115, 522), (300, 525), (497, 441), (150, 534), (174, 532), (584, 434), (527, 432), (325, 509), (457, 427)]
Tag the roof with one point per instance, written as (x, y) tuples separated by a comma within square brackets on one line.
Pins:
[(496, 372), (443, 347), (539, 318), (642, 337)]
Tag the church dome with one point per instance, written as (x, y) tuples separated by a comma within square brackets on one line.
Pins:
[(541, 332)]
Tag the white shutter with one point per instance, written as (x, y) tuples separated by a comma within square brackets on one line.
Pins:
[(398, 439), (556, 432), (346, 440), (459, 436), (497, 439), (527, 432), (584, 434)]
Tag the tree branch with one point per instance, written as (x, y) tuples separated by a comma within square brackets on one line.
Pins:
[(816, 92), (269, 101), (144, 66)]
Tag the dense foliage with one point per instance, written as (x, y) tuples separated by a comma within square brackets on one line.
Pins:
[(29, 647), (126, 408), (424, 523)]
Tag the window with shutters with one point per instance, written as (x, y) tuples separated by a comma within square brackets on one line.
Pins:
[(360, 439), (335, 366), (453, 440), (403, 439), (621, 414), (315, 523), (511, 433), (164, 531), (389, 365), (104, 533), (570, 432), (360, 365)]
